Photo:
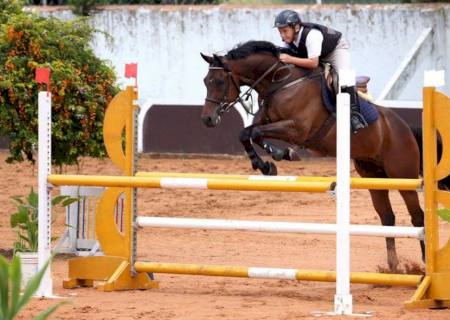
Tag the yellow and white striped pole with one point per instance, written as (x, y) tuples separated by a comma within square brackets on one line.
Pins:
[(275, 273), (250, 183), (355, 183), (191, 183)]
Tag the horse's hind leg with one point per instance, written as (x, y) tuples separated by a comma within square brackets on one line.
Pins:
[(404, 163), (382, 205), (412, 203)]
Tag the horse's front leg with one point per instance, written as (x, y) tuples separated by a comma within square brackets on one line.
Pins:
[(267, 168), (276, 152), (281, 130)]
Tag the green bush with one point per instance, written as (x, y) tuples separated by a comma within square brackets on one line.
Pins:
[(82, 85), (176, 2), (85, 7), (82, 7), (8, 7), (11, 301), (25, 220)]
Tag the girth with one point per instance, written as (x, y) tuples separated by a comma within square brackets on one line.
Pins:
[(316, 139)]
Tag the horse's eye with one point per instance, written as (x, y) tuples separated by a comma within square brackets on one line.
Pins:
[(219, 82)]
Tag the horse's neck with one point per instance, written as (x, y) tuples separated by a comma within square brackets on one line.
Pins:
[(250, 70), (253, 68)]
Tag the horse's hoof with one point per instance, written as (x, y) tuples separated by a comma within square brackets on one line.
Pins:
[(393, 264), (277, 154), (255, 164), (269, 169)]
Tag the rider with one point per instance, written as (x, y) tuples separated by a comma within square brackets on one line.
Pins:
[(310, 43)]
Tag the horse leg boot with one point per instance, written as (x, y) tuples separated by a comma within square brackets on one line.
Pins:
[(281, 130), (356, 118), (277, 153), (267, 168)]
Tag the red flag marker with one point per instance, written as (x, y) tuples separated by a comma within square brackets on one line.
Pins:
[(43, 76), (131, 71)]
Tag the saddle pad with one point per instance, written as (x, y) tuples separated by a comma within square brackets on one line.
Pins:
[(368, 109)]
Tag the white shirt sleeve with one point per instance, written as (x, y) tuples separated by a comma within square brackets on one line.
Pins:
[(314, 43)]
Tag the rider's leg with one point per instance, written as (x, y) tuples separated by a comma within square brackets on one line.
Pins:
[(340, 60), (357, 120)]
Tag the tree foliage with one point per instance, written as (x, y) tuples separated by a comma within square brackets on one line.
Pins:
[(82, 85)]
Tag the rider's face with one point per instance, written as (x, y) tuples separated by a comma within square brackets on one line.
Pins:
[(288, 33)]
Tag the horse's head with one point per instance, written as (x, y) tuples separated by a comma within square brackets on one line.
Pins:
[(222, 90)]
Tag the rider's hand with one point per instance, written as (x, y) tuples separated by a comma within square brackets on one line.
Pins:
[(285, 58)]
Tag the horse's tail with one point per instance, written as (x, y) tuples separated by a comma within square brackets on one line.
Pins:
[(444, 183)]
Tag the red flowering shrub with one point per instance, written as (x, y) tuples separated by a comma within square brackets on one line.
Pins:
[(82, 85)]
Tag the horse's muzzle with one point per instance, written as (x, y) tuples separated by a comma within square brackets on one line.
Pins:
[(211, 121)]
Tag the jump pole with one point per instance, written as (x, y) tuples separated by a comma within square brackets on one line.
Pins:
[(355, 183), (191, 183), (278, 227), (276, 273)]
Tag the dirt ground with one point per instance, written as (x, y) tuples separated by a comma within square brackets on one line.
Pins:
[(191, 297)]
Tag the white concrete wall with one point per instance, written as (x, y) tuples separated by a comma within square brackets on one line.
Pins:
[(166, 41)]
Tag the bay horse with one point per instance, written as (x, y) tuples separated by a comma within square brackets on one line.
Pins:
[(295, 113)]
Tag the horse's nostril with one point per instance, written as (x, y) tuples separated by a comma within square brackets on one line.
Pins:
[(207, 120)]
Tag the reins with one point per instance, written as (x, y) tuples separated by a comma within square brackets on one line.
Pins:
[(225, 105)]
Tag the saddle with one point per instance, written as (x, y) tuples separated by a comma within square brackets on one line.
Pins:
[(332, 80), (330, 87)]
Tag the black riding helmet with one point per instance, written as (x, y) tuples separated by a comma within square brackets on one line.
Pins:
[(286, 18)]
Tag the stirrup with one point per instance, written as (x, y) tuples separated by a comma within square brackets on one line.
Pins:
[(360, 117), (357, 122)]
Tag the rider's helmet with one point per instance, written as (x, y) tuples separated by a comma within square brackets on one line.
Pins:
[(287, 18)]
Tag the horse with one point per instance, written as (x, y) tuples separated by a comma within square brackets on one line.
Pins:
[(292, 110)]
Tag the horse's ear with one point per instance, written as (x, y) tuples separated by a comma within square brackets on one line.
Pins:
[(218, 61), (207, 58)]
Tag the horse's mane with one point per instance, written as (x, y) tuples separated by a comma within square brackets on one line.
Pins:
[(243, 50)]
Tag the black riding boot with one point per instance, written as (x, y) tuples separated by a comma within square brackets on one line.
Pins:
[(356, 118)]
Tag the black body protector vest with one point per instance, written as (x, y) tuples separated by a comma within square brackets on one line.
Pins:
[(330, 40)]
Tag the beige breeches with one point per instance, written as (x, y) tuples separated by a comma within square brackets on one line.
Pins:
[(340, 57)]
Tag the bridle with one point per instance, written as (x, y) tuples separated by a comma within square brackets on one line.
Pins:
[(224, 103)]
